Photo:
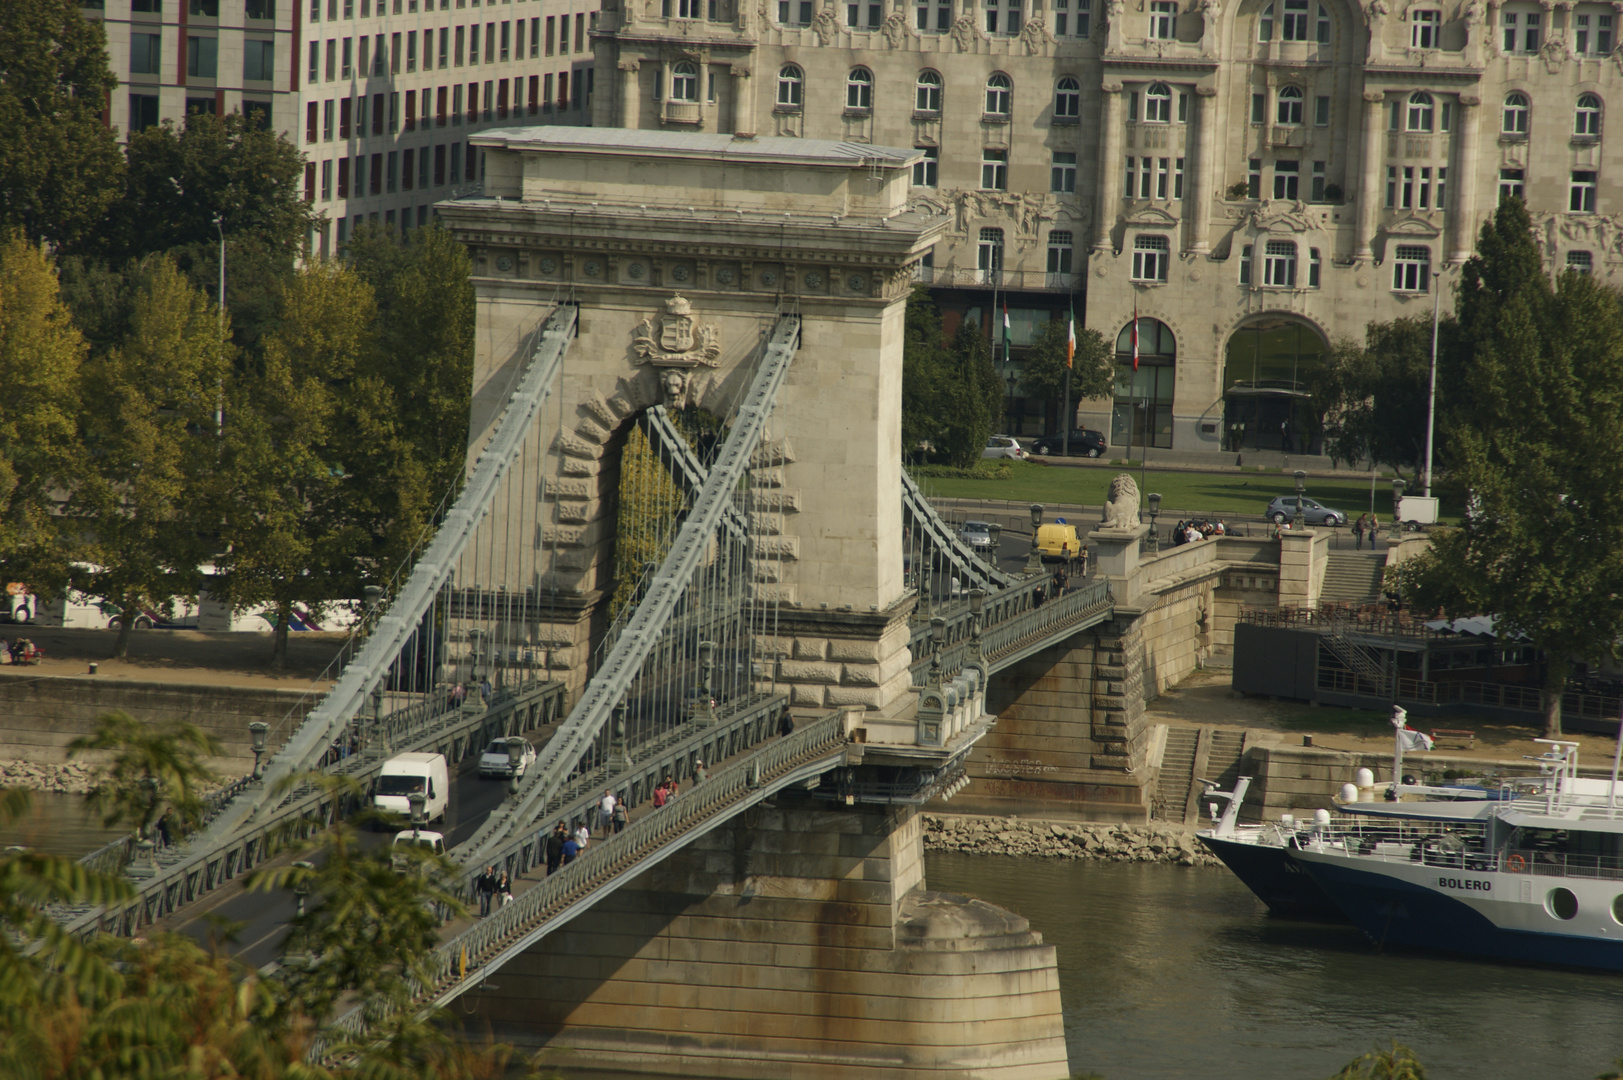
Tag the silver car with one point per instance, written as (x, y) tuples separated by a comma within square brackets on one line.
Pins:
[(1003, 446), (977, 534), (1283, 509)]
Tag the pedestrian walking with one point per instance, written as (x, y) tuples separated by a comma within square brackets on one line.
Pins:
[(485, 886), (1374, 530), (504, 889), (699, 771), (620, 817), (1359, 528), (606, 811), (555, 848), (583, 836), (165, 837), (662, 795), (571, 851), (786, 724)]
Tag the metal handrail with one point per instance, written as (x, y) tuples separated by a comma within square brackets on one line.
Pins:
[(1015, 638)]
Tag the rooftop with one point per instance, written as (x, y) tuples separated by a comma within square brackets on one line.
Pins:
[(695, 145)]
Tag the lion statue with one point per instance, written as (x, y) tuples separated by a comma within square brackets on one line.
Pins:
[(1121, 510)]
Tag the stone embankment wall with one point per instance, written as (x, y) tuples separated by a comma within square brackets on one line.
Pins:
[(1172, 844), (73, 778)]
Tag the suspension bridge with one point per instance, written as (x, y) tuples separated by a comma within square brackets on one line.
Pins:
[(776, 598)]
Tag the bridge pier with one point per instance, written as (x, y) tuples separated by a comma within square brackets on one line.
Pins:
[(797, 941)]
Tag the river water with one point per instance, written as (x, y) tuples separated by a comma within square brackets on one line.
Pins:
[(1171, 972)]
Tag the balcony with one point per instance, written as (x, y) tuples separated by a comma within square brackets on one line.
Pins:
[(682, 112), (1010, 280)]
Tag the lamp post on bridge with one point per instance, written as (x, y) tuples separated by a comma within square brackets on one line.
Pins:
[(938, 637), (619, 757), (419, 813), (977, 605), (257, 730), (1155, 512), (1034, 563), (704, 714), (1299, 518)]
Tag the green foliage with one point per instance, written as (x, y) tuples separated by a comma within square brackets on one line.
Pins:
[(1396, 1062), (1043, 373), (924, 370), (40, 355), (972, 398), (1374, 398), (148, 447), (60, 168), (424, 291), (148, 767), (985, 469), (951, 396), (1541, 367), (649, 504)]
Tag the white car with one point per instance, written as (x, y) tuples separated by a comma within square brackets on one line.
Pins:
[(1003, 446), (495, 762)]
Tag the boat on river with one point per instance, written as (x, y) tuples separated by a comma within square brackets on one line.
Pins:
[(1260, 855), (1536, 877)]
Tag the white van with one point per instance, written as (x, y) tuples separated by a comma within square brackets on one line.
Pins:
[(404, 774), (410, 838)]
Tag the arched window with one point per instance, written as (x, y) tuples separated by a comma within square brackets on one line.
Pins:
[(1586, 121), (999, 95), (859, 89), (1421, 110), (685, 82), (1158, 103), (1265, 24), (1068, 97), (1514, 119), (927, 92), (791, 83), (1143, 397), (1290, 105)]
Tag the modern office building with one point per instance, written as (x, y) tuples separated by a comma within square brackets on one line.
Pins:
[(380, 95), (1252, 178)]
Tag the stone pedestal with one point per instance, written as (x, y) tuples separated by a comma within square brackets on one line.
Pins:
[(796, 942), (1303, 554), (1116, 555)]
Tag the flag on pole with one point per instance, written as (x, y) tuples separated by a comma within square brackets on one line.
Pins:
[(1135, 335), (1005, 330), (1070, 341)]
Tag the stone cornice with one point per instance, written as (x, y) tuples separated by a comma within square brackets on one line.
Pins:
[(1416, 76), (659, 42), (1122, 64)]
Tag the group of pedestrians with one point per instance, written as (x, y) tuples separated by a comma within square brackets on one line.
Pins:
[(491, 888), (1366, 524)]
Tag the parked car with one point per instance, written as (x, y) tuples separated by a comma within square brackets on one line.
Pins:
[(1283, 509), (977, 534), (1003, 446), (1085, 442), (495, 762)]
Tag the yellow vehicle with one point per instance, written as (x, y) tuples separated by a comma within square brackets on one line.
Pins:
[(1058, 541)]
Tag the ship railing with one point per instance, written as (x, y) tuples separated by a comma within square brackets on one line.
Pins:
[(1458, 845), (1542, 863)]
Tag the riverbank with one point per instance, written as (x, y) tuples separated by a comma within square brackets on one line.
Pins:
[(1153, 843)]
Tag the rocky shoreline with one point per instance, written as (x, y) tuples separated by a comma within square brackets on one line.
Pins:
[(1159, 843), (67, 778)]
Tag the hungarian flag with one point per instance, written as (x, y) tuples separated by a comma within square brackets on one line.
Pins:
[(1135, 335), (1070, 341)]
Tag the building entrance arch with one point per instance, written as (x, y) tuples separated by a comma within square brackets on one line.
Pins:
[(1271, 365)]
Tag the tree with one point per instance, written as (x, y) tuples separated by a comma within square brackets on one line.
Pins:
[(1396, 1062), (1092, 373), (424, 291), (60, 168), (40, 355), (925, 366), (1374, 398), (1541, 368), (971, 399), (149, 766), (318, 489), (149, 427)]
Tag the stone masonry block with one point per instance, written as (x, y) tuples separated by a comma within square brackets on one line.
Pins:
[(572, 489), (854, 650), (575, 446), (805, 671), (867, 697), (775, 501), (806, 694), (580, 512), (811, 648), (601, 412), (778, 547), (593, 432)]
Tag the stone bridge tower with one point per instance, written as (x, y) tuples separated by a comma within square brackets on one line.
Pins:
[(681, 251)]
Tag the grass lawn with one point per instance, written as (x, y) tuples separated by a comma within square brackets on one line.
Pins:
[(1182, 493)]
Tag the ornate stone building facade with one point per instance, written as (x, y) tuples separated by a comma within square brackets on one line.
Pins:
[(1252, 178)]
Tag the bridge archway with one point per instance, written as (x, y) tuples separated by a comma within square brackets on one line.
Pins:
[(1272, 364)]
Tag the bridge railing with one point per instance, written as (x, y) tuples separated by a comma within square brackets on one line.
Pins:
[(608, 862), (1023, 628)]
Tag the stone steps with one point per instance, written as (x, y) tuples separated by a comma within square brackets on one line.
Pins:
[(1353, 576), (1177, 772)]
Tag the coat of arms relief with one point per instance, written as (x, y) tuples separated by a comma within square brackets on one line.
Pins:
[(677, 342)]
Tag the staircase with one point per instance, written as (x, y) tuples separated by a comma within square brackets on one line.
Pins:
[(1177, 772), (1353, 576)]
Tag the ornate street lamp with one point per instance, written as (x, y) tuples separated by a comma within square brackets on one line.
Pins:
[(705, 713), (1155, 511), (977, 605), (257, 730), (938, 637), (419, 813), (1299, 518), (515, 755), (1034, 564), (1397, 505)]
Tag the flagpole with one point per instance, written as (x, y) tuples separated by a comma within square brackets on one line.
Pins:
[(1070, 358)]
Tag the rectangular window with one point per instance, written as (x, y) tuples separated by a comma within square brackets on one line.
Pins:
[(518, 38), (1316, 192), (501, 99), (456, 104), (379, 60), (1294, 25), (207, 9), (394, 54), (490, 99), (1603, 35), (146, 54), (1183, 107), (312, 121), (1177, 178), (326, 121), (1324, 26), (546, 93), (394, 112), (315, 62), (1279, 264), (1411, 270), (143, 111), (456, 51), (1406, 191), (1394, 116), (363, 55), (503, 53), (343, 178), (1060, 249), (473, 103), (411, 50), (535, 94), (1062, 172), (1163, 20), (1423, 29), (1423, 188), (925, 171), (535, 37), (1259, 108), (1391, 187), (326, 180), (259, 60), (994, 169), (1245, 265), (549, 35), (377, 115), (332, 59), (1151, 254), (1580, 41), (346, 113), (345, 68), (392, 175), (1161, 171), (1510, 184), (203, 57), (411, 111), (1580, 262), (1581, 197), (1253, 179), (377, 174), (1442, 183), (1287, 179), (439, 165), (1321, 110), (563, 33)]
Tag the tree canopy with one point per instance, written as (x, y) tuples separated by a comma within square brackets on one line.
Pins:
[(1541, 372), (1373, 397), (951, 395), (1092, 374), (60, 167)]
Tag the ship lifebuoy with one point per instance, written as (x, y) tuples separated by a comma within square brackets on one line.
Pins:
[(1516, 864)]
